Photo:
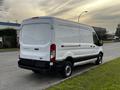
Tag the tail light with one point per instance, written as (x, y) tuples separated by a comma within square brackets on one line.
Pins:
[(52, 52)]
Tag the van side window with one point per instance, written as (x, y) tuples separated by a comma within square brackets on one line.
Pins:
[(84, 33), (95, 38)]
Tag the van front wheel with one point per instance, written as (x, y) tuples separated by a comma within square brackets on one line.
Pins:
[(99, 59), (67, 69)]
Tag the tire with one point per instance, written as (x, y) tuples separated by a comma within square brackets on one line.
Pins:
[(67, 69), (1, 45), (99, 59), (36, 71)]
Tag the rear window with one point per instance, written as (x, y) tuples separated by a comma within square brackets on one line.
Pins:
[(35, 34)]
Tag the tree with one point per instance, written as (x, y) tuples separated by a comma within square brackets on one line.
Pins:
[(117, 33)]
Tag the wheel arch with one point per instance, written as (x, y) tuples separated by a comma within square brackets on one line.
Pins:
[(101, 53), (70, 59)]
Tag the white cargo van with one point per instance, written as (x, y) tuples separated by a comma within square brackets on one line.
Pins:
[(48, 43)]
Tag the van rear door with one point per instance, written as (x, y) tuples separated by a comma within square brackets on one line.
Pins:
[(35, 40)]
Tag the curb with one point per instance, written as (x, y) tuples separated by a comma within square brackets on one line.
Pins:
[(79, 73)]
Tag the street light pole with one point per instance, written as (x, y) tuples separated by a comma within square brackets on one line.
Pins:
[(81, 15)]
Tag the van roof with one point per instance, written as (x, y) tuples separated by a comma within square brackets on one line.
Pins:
[(58, 19), (50, 17)]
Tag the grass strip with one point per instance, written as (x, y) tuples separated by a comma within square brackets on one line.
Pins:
[(9, 49), (104, 77)]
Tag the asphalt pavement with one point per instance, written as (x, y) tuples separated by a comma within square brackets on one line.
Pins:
[(14, 78)]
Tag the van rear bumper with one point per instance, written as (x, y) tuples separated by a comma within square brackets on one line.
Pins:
[(39, 65)]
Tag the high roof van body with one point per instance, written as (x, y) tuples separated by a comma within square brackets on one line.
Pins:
[(52, 43)]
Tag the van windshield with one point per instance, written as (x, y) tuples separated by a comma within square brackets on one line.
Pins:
[(35, 34)]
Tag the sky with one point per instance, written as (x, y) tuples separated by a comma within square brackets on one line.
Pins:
[(101, 13)]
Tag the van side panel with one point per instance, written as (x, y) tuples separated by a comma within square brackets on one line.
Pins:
[(73, 40), (67, 41)]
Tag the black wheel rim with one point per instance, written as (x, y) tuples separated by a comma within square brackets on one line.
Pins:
[(100, 58)]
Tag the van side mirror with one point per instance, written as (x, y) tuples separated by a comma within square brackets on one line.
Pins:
[(97, 41), (100, 43)]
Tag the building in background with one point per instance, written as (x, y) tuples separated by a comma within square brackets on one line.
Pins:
[(9, 34), (117, 33), (110, 36), (4, 25)]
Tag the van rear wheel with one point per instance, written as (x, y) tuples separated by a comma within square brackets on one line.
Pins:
[(67, 69), (99, 59)]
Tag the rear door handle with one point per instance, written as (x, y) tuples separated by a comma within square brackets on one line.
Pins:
[(36, 48)]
